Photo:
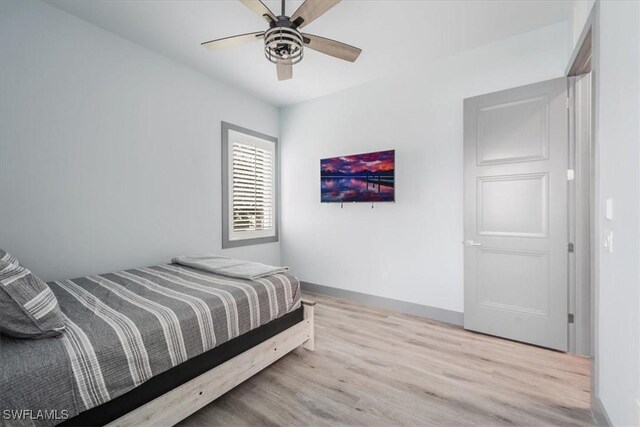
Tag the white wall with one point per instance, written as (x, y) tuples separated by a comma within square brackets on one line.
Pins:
[(409, 250), (109, 153), (618, 138)]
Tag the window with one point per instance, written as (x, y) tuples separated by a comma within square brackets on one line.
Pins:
[(249, 187)]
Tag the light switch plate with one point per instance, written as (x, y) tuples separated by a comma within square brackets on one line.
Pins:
[(609, 209), (608, 242)]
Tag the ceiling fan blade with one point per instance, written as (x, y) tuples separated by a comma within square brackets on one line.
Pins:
[(332, 47), (233, 41), (259, 8), (285, 70), (310, 10)]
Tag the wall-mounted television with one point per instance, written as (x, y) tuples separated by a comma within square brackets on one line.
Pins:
[(368, 177)]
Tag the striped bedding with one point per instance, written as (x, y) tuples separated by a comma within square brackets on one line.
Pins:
[(123, 328)]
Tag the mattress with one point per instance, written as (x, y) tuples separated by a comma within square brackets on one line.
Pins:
[(126, 327)]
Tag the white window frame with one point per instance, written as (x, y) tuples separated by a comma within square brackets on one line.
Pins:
[(230, 238)]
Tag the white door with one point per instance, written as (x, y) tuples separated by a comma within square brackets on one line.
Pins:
[(515, 214)]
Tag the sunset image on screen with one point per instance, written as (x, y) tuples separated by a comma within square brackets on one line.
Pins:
[(358, 178)]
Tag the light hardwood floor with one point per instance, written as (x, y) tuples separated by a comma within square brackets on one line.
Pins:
[(375, 367)]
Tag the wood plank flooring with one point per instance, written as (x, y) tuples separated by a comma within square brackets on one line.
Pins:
[(375, 367)]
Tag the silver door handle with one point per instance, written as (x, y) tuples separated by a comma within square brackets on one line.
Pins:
[(471, 243)]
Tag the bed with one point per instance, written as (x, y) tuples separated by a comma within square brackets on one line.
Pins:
[(152, 345)]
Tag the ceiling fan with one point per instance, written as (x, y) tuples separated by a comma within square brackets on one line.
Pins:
[(283, 42)]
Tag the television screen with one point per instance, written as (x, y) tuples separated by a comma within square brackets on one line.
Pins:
[(358, 178)]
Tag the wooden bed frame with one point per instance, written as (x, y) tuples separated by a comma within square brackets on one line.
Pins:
[(182, 401)]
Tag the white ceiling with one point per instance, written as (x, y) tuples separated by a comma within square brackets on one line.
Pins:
[(395, 35)]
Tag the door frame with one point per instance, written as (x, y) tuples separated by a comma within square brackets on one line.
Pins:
[(580, 209), (588, 43)]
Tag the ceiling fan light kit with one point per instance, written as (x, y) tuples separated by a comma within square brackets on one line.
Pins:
[(283, 42)]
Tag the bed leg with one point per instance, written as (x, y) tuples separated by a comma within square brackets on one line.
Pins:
[(307, 312)]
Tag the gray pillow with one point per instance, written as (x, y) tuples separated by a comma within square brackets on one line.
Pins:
[(28, 307), (7, 257)]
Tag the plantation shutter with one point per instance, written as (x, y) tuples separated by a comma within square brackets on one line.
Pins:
[(252, 187), (249, 187)]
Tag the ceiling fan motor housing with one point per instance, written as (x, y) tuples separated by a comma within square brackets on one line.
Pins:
[(283, 43)]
